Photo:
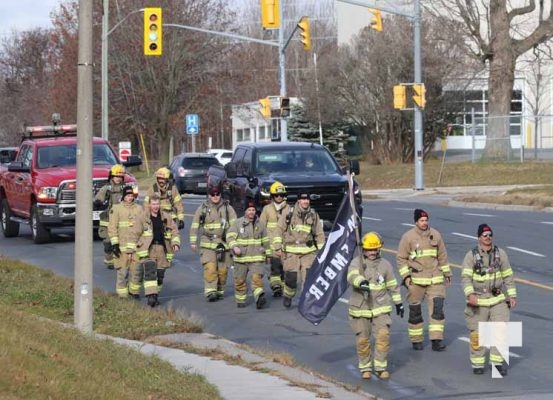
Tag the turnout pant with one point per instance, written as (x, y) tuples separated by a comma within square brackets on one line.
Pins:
[(240, 280), (367, 329), (435, 296), (215, 271), (474, 315), (295, 268)]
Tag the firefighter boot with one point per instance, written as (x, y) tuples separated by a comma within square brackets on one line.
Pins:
[(211, 297), (437, 345), (287, 302), (366, 375), (260, 303), (478, 371), (383, 375), (417, 346), (152, 300), (277, 291)]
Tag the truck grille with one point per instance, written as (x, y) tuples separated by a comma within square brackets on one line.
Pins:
[(324, 199), (70, 195)]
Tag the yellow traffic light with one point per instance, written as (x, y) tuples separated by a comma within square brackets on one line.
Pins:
[(270, 14), (305, 34), (419, 94), (400, 98), (376, 22), (265, 107), (152, 31)]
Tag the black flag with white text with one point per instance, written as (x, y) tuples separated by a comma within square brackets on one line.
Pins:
[(326, 280)]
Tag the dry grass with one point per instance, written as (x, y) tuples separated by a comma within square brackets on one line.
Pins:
[(49, 361), (539, 197)]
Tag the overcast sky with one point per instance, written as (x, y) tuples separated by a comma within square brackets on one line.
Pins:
[(25, 14)]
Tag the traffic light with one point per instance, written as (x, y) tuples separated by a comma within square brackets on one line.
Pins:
[(400, 99), (265, 107), (270, 14), (376, 22), (284, 107), (152, 31), (420, 94), (305, 34)]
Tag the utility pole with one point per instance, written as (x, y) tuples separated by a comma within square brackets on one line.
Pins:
[(419, 174), (105, 100), (83, 228), (282, 69)]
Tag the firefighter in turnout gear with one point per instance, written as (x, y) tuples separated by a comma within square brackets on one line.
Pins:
[(105, 199), (210, 224), (424, 270), (171, 200), (373, 286), (488, 285), (248, 241), (158, 241), (270, 215), (122, 220), (299, 235)]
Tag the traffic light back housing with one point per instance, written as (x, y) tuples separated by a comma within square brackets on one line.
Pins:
[(152, 31), (284, 107), (270, 14), (376, 22), (265, 107), (400, 98)]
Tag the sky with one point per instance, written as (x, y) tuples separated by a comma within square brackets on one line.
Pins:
[(25, 14)]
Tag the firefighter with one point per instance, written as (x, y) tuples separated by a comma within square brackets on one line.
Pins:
[(122, 220), (373, 285), (105, 199), (299, 235), (249, 243), (424, 269), (171, 200), (210, 224), (158, 241), (270, 216), (488, 284)]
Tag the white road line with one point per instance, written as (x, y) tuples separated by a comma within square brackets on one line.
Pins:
[(372, 219), (480, 215), (407, 224), (526, 251), (546, 222), (403, 209), (466, 339), (463, 235)]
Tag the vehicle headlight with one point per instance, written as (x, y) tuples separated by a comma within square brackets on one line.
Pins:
[(47, 192)]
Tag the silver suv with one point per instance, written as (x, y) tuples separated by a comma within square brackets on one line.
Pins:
[(189, 171)]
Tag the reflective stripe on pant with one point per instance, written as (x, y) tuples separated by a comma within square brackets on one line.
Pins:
[(215, 275), (416, 294), (363, 329), (277, 273), (122, 282), (474, 315), (240, 281)]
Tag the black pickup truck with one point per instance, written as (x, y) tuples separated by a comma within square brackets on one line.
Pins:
[(299, 166)]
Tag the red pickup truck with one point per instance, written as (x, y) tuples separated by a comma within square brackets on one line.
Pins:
[(38, 188)]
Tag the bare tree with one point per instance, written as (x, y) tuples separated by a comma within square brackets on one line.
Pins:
[(499, 33)]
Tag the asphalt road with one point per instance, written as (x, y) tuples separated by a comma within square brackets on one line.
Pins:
[(329, 347)]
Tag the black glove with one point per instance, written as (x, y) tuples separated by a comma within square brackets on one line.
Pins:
[(181, 224), (108, 247), (98, 205), (364, 285), (400, 310), (116, 250)]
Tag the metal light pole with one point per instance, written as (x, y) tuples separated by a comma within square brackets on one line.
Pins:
[(318, 101), (83, 227), (419, 174), (105, 101), (282, 69)]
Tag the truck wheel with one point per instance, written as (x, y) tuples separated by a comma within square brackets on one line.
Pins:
[(9, 228), (39, 233)]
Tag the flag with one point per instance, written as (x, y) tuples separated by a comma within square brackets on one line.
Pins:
[(327, 277)]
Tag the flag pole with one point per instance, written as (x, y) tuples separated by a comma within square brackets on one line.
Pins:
[(357, 217)]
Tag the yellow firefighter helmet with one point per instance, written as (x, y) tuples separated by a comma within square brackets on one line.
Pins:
[(372, 241), (277, 188)]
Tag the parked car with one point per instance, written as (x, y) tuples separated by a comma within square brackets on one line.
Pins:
[(223, 155), (189, 171), (7, 154)]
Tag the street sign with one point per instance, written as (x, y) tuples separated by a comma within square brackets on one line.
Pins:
[(124, 151), (192, 124)]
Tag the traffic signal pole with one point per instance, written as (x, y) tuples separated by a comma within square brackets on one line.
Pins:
[(282, 71), (418, 123)]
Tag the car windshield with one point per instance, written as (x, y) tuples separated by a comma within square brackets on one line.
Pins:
[(308, 160), (198, 163), (66, 155)]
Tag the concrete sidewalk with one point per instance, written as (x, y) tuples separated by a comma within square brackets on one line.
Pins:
[(259, 378)]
